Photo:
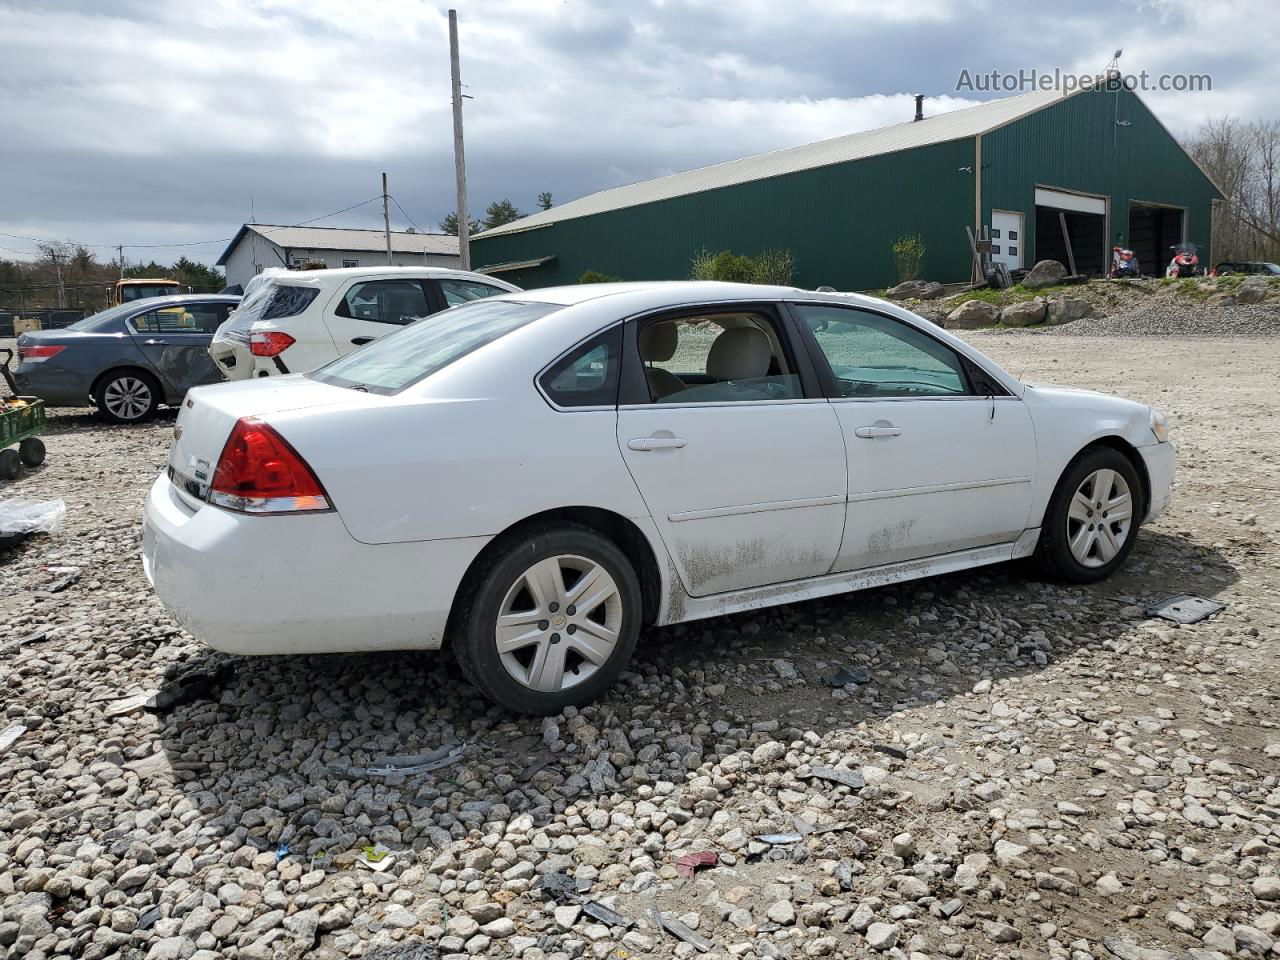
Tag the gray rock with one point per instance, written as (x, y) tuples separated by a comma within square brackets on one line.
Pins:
[(1067, 310), (1045, 273), (1252, 290), (915, 290), (1266, 888), (972, 314), (882, 936), (1023, 314)]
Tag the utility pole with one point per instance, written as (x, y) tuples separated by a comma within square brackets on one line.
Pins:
[(120, 258), (57, 263), (386, 220), (459, 156)]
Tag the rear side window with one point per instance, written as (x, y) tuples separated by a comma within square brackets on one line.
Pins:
[(289, 301), (385, 301), (189, 318), (464, 291), (588, 375), (401, 359)]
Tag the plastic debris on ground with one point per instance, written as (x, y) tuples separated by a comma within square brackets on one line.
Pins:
[(9, 736), (282, 851), (849, 778), (192, 686), (130, 704), (416, 949), (444, 756), (377, 858), (680, 931), (1185, 608), (22, 517), (598, 911), (688, 865), (842, 677)]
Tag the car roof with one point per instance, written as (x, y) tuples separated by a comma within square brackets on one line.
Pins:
[(180, 298), (339, 274)]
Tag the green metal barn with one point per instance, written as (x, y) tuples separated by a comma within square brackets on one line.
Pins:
[(1039, 171)]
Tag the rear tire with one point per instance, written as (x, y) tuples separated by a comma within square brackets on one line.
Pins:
[(128, 396), (1093, 517), (10, 465), (32, 451), (552, 620)]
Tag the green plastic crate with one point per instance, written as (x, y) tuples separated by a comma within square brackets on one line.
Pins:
[(18, 423)]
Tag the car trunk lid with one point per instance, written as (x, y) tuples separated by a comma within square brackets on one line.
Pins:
[(208, 414)]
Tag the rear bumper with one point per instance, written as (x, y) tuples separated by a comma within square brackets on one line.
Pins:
[(1161, 461), (233, 360), (56, 386), (296, 584)]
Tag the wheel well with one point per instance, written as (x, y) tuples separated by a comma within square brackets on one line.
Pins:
[(1130, 453), (127, 368), (625, 534)]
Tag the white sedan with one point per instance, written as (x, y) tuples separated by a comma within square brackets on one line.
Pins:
[(530, 478)]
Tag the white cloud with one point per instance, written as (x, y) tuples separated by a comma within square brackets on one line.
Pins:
[(154, 122)]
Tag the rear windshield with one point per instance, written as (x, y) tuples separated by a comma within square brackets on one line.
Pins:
[(402, 358), (103, 319)]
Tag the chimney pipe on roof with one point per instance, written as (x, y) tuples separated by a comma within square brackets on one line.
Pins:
[(919, 106)]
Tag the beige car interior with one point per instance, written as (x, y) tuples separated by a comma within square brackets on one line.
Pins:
[(746, 349)]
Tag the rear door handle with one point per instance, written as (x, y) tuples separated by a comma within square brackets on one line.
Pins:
[(361, 341), (870, 433), (655, 443)]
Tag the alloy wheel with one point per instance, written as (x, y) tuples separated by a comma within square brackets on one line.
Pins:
[(127, 397), (558, 623), (1100, 518)]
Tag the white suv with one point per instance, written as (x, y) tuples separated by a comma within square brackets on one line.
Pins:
[(292, 321)]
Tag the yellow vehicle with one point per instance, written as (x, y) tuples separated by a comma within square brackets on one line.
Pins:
[(126, 291)]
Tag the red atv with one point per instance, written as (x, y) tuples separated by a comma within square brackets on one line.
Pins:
[(1185, 262)]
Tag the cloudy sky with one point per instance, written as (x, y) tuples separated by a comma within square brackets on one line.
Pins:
[(138, 122)]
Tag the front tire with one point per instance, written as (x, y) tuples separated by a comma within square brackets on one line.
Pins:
[(1093, 518), (552, 621), (128, 396)]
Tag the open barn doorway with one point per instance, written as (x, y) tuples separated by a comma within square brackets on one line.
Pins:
[(1153, 230), (1072, 229)]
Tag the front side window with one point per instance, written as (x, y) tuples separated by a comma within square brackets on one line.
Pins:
[(402, 358), (464, 291), (385, 301), (716, 358), (876, 356), (588, 375), (191, 318)]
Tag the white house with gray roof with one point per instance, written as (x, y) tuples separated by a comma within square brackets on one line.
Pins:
[(257, 246)]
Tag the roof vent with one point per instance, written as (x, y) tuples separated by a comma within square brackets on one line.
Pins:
[(919, 106)]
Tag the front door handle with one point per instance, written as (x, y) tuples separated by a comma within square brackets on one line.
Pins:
[(361, 341), (879, 430), (156, 343), (655, 443)]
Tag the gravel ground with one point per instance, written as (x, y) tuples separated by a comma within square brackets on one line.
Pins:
[(1169, 318), (1028, 769)]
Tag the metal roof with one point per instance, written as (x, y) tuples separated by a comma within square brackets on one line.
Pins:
[(940, 128), (345, 238)]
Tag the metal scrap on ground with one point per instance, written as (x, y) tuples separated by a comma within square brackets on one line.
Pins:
[(192, 686), (849, 778), (444, 756), (1185, 608), (9, 736), (681, 931), (688, 865), (598, 911)]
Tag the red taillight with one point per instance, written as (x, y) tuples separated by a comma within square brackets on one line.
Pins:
[(259, 472), (269, 343), (32, 351)]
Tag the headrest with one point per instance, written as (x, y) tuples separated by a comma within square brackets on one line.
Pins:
[(658, 342), (740, 353)]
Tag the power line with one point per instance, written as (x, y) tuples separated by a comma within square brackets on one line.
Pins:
[(405, 215), (171, 246)]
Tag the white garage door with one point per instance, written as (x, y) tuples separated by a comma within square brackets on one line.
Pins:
[(1006, 238)]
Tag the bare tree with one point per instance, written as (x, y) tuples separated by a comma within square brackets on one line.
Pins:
[(1244, 161)]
